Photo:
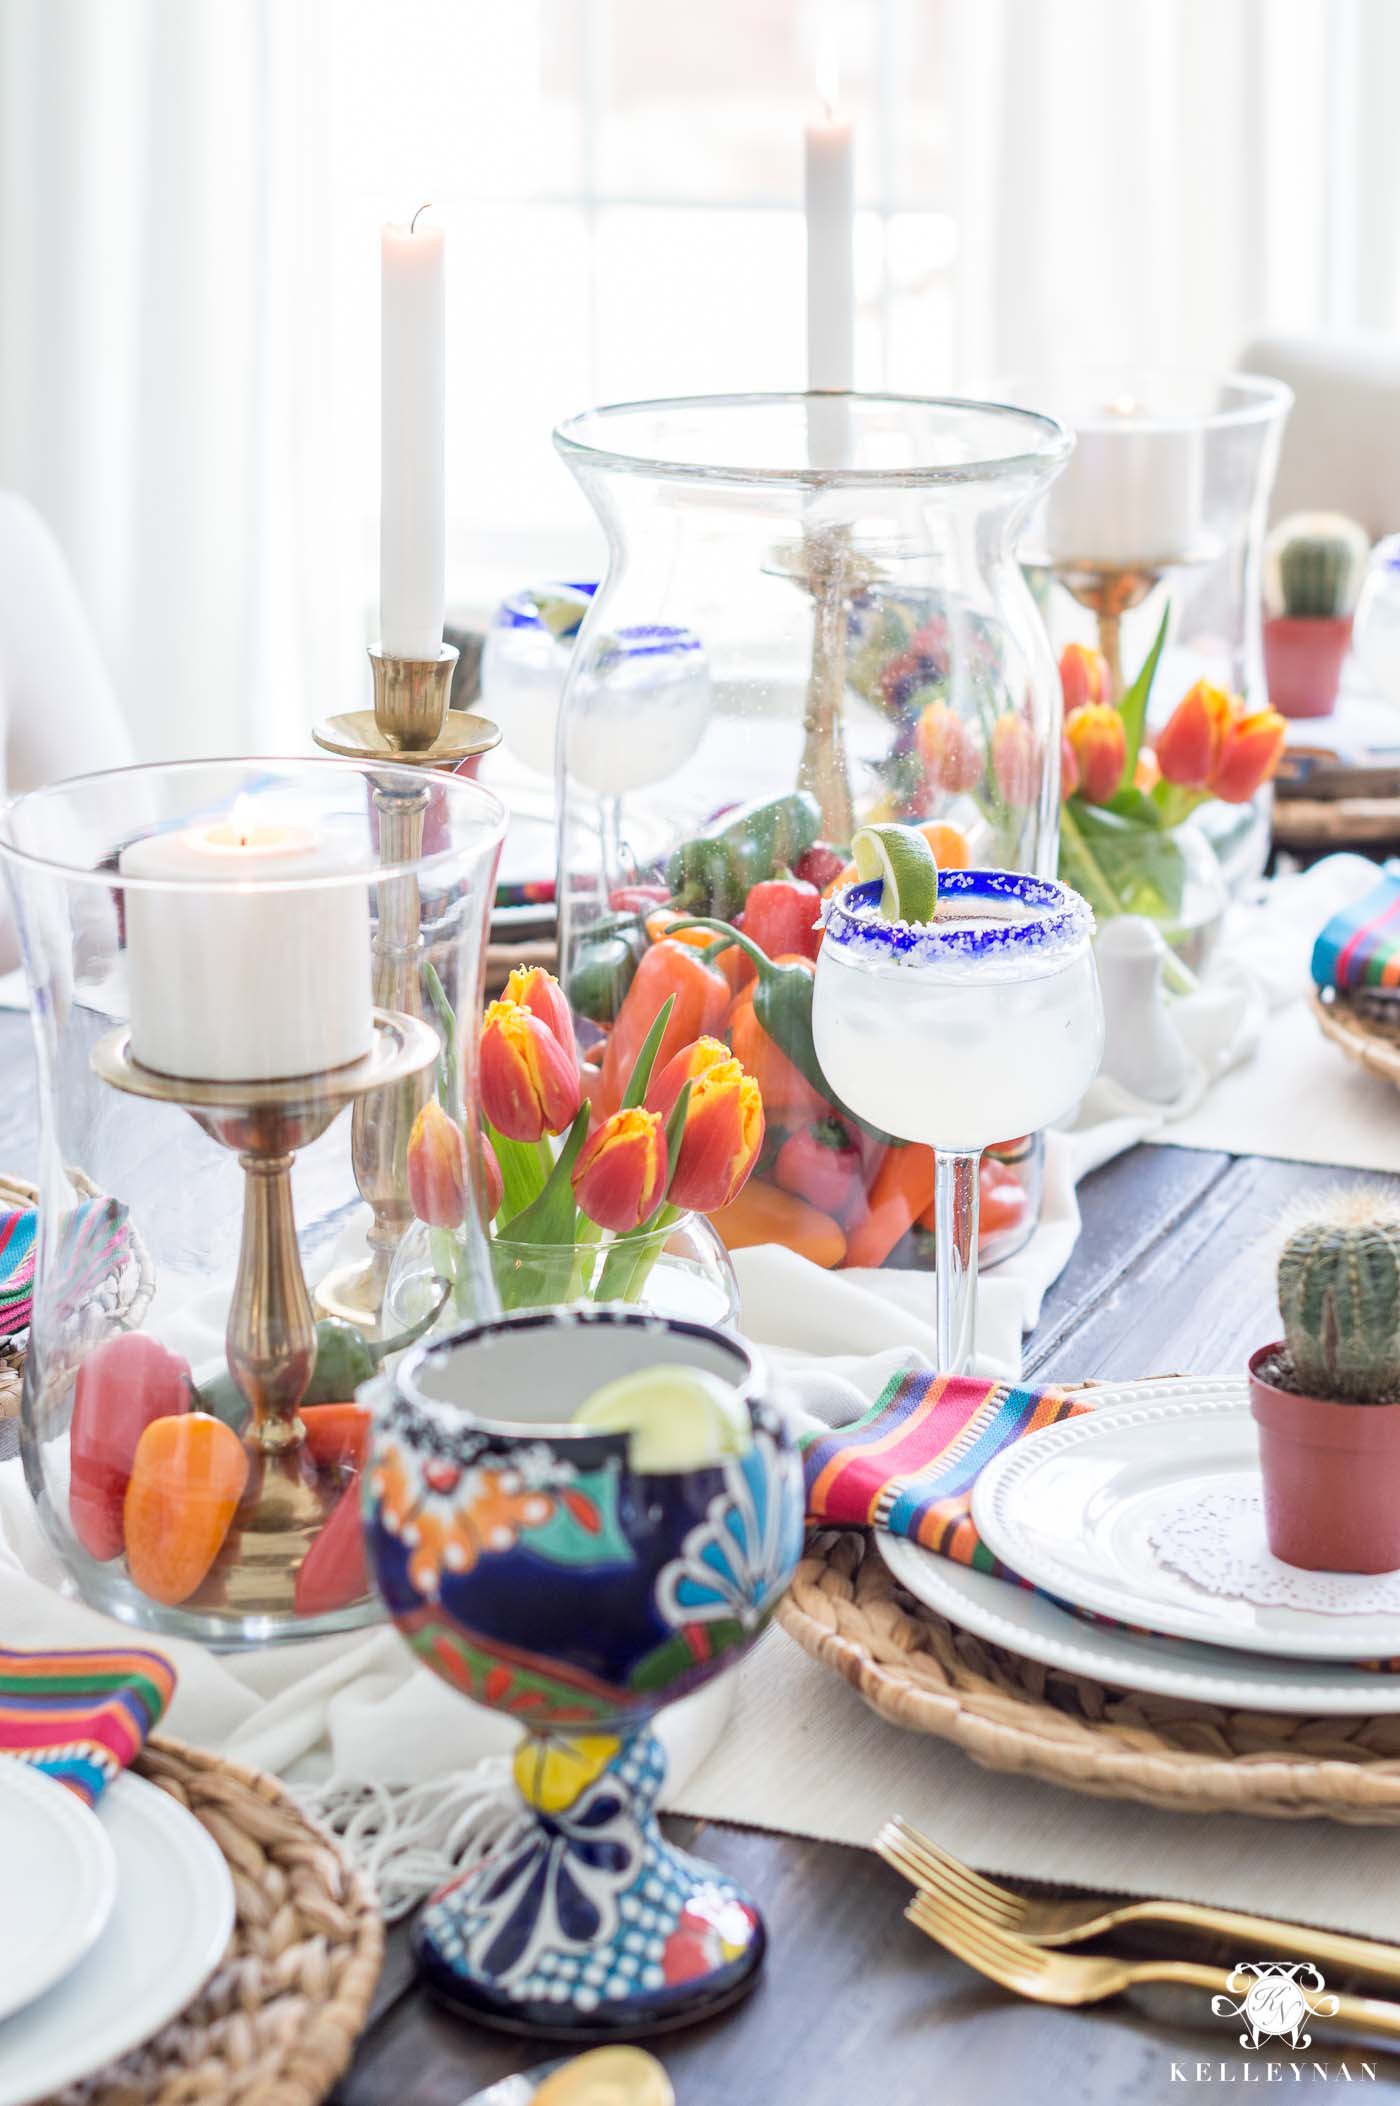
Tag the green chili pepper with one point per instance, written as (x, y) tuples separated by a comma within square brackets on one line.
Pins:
[(602, 973), (714, 871), (344, 1359), (782, 1002)]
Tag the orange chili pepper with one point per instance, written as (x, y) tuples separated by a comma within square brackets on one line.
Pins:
[(702, 996), (903, 1188), (336, 1434), (658, 926), (186, 1482)]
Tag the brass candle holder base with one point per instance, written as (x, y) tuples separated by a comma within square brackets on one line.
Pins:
[(270, 1341), (411, 725)]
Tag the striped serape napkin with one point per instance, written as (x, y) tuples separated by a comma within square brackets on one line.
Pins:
[(81, 1716), (94, 1243), (17, 1226), (909, 1464), (1360, 946)]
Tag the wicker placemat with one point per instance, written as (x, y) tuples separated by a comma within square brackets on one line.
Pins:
[(277, 2023), (919, 1671), (1368, 1033)]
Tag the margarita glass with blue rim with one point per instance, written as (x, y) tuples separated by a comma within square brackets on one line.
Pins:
[(533, 1567), (985, 1021)]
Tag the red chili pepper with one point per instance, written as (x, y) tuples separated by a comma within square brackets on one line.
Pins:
[(638, 899), (822, 1164), (780, 916), (820, 865)]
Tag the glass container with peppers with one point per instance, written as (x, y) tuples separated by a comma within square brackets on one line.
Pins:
[(846, 567)]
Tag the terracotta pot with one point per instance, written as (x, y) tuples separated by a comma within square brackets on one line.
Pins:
[(1331, 1478), (1303, 659)]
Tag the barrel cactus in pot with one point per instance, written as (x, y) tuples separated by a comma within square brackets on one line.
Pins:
[(1326, 1397), (1315, 567)]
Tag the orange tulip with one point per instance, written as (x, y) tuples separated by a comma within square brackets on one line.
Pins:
[(620, 1177), (1013, 760), (539, 992), (721, 1139), (1083, 675), (1188, 745), (1069, 769), (683, 1067), (1095, 731), (437, 1168), (948, 749), (1252, 750), (529, 1081)]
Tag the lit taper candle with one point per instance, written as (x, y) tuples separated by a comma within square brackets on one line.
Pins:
[(412, 509)]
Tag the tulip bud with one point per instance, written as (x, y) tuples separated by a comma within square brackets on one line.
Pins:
[(539, 992), (493, 1181), (1147, 772), (1013, 760), (437, 1168), (1252, 749), (529, 1081), (1083, 676), (620, 1178), (948, 748), (722, 1137), (1188, 745), (1069, 769), (1095, 731), (681, 1068)]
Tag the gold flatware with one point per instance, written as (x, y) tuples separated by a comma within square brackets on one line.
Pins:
[(1047, 1977), (925, 1864)]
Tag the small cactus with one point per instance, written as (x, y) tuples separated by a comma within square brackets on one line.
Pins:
[(1318, 560), (1339, 1293)]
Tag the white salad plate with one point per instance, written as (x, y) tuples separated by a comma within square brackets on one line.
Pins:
[(58, 1875), (1073, 1509), (167, 1931), (1036, 1628)]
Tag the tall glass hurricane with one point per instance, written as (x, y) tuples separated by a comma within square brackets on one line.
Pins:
[(983, 1022)]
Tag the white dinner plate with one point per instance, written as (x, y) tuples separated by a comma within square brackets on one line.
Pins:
[(1073, 1509), (59, 1880), (167, 1931)]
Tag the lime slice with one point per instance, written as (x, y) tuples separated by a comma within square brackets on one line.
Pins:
[(902, 857), (679, 1418)]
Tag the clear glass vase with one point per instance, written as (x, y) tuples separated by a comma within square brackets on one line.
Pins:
[(225, 1096), (846, 567)]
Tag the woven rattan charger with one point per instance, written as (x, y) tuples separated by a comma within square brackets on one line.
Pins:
[(920, 1672), (276, 2024), (1366, 1027)]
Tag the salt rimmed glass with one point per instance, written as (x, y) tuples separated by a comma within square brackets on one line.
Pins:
[(985, 1021)]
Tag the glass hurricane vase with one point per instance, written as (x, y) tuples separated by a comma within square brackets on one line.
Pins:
[(846, 568), (225, 1093)]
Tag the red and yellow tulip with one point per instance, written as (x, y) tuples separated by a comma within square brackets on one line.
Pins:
[(1013, 761), (1252, 750), (1099, 744), (529, 1079), (1083, 676), (1188, 744), (948, 748), (683, 1067), (620, 1178), (721, 1138), (437, 1168), (539, 992)]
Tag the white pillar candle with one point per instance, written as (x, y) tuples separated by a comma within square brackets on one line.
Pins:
[(1131, 494), (412, 508), (254, 981), (830, 213)]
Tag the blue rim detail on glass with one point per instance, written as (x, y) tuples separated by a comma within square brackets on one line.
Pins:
[(1061, 918)]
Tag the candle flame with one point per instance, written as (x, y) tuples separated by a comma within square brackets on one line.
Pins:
[(241, 825), (828, 67), (1125, 406)]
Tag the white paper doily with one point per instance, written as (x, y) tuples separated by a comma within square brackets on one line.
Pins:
[(1217, 1542)]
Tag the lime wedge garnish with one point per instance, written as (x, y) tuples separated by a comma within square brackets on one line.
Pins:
[(902, 857), (679, 1418)]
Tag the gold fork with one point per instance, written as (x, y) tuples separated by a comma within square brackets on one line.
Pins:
[(1088, 1978), (924, 1864)]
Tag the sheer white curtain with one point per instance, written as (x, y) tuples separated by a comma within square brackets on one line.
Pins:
[(190, 192), (1152, 181)]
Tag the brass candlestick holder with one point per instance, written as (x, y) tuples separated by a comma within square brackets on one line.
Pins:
[(1112, 590), (825, 564), (411, 723), (270, 1340)]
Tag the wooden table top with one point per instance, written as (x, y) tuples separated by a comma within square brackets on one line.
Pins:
[(855, 2007)]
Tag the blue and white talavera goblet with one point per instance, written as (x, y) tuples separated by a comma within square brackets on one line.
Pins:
[(528, 1563)]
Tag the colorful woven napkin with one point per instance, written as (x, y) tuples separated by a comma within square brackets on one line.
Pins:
[(16, 1269), (94, 1243), (1360, 947), (910, 1463), (82, 1717)]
